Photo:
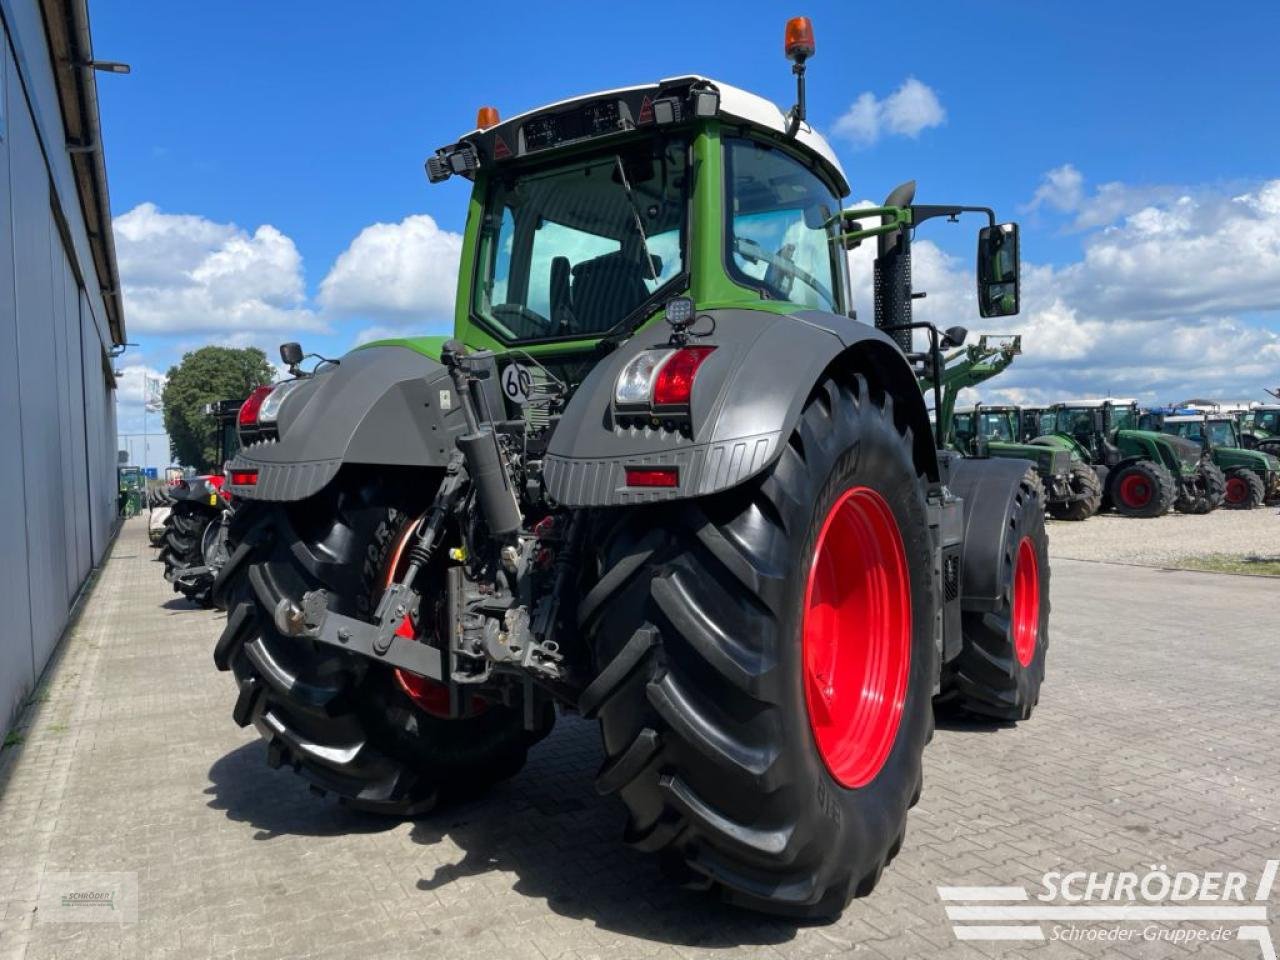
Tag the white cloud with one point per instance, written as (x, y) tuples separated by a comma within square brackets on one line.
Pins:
[(911, 109), (1062, 188), (404, 272), (1161, 306), (183, 273)]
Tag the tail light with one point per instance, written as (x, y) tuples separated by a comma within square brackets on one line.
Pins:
[(248, 416), (674, 384), (660, 378)]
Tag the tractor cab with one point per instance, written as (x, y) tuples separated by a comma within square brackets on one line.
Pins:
[(589, 217), (977, 426)]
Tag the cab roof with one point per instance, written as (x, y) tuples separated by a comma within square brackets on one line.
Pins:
[(1114, 401), (734, 104)]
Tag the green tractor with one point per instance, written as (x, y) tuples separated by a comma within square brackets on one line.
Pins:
[(1034, 422), (659, 477), (1071, 486), (1143, 473), (1260, 428), (1250, 477)]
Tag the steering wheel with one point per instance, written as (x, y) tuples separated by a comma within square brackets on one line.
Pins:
[(511, 314), (781, 270)]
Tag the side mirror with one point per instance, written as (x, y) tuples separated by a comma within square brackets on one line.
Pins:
[(998, 270), (954, 337), (291, 354)]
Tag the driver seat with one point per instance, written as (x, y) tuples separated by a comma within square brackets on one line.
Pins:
[(607, 288)]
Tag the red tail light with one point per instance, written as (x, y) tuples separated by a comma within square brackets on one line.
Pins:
[(674, 383), (248, 416), (244, 478), (653, 476)]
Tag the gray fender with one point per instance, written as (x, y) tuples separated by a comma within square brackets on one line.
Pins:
[(987, 488), (747, 399), (382, 406)]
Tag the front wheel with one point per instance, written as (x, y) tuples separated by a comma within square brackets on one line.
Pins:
[(1087, 496), (1001, 664), (1143, 488), (766, 662), (1245, 490)]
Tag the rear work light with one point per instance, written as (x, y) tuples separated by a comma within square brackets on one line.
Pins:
[(660, 378), (248, 416), (653, 476)]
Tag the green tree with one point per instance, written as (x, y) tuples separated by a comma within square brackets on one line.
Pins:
[(205, 376)]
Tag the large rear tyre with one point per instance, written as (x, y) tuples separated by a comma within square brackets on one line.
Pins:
[(1245, 490), (766, 661), (372, 736), (1088, 493), (1143, 488), (186, 533), (1001, 664)]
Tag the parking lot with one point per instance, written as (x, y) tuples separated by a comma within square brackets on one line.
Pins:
[(1154, 749)]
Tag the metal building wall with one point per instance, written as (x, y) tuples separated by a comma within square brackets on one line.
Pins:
[(57, 405)]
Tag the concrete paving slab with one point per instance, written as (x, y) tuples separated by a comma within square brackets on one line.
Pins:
[(1155, 744)]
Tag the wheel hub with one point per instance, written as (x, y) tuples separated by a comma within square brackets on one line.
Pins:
[(1237, 490), (857, 636), (1026, 602), (1135, 491)]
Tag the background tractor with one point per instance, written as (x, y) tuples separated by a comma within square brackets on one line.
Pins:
[(1249, 477), (1071, 487), (195, 530), (1260, 428), (1143, 473), (660, 477)]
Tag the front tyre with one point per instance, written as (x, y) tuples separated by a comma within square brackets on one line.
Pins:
[(766, 661), (1143, 488), (1086, 491), (1001, 664), (1245, 490), (375, 737)]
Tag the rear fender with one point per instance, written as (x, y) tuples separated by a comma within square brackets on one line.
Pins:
[(746, 400), (380, 406)]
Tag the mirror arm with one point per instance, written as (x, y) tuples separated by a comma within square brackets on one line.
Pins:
[(920, 213)]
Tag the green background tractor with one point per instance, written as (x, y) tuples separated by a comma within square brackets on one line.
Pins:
[(1144, 473), (1260, 428), (659, 477), (1071, 486), (1250, 477)]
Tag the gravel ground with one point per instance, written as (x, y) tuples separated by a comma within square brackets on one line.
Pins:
[(1163, 541)]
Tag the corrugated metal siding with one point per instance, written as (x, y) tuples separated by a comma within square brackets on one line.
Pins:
[(57, 430)]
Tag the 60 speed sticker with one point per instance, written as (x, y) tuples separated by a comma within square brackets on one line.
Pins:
[(516, 381)]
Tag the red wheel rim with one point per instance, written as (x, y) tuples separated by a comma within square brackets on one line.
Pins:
[(857, 636), (1135, 490), (1026, 602), (428, 695), (1237, 490)]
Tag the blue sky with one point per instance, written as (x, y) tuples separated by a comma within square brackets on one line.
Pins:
[(253, 143)]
